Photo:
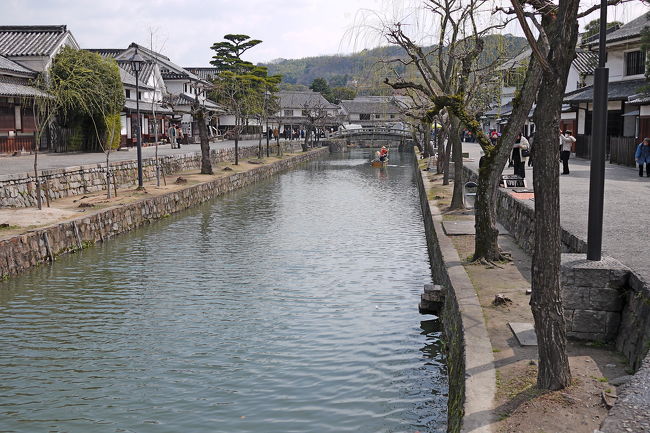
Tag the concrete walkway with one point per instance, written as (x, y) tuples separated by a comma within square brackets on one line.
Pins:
[(25, 163), (625, 214)]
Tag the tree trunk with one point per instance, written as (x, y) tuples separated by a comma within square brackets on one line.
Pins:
[(457, 146), (236, 140), (39, 200), (260, 152), (206, 164), (440, 162), (304, 144), (108, 173), (267, 139), (546, 299), (446, 161)]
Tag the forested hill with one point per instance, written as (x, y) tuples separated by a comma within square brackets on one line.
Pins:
[(364, 71)]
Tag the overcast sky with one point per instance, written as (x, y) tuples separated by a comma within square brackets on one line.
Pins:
[(184, 30)]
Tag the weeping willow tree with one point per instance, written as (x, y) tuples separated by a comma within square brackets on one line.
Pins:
[(88, 93)]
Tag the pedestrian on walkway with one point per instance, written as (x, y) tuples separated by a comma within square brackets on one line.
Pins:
[(179, 136), (171, 134), (531, 140), (642, 156), (520, 155), (567, 141)]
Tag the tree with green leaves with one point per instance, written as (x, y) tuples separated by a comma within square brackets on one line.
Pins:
[(593, 28), (81, 88), (88, 90), (239, 85)]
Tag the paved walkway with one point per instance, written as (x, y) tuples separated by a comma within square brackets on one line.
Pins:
[(25, 163), (625, 214)]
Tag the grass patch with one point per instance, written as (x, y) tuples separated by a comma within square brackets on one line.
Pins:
[(8, 227)]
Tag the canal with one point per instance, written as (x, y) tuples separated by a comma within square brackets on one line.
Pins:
[(290, 306)]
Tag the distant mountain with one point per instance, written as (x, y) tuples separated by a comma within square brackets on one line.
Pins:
[(366, 70)]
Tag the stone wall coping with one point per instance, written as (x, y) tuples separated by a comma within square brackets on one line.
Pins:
[(480, 374)]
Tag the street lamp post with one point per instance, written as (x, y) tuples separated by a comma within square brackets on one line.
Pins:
[(598, 150), (136, 62)]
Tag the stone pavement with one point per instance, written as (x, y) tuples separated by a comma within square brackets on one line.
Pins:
[(625, 213), (25, 163)]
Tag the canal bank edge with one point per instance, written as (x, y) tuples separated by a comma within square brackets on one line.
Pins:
[(470, 361), (34, 247)]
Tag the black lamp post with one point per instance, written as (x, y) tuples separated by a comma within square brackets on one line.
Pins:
[(598, 150), (136, 62)]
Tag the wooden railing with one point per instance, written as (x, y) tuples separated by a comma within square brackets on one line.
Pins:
[(369, 132), (622, 151), (16, 144)]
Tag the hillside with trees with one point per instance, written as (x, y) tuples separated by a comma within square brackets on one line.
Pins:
[(365, 71)]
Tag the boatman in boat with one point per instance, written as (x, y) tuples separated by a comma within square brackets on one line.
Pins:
[(383, 154)]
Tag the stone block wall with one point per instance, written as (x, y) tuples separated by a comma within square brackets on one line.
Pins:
[(21, 252), (472, 378), (593, 295), (18, 190)]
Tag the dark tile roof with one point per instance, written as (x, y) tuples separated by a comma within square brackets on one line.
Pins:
[(145, 107), (168, 69), (371, 105), (13, 68), (630, 30), (585, 61), (616, 91), (203, 73), (642, 98), (106, 52), (30, 40), (14, 86), (185, 99), (300, 99)]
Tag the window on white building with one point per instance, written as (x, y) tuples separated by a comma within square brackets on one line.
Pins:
[(127, 93), (377, 116), (635, 62), (364, 116), (288, 113)]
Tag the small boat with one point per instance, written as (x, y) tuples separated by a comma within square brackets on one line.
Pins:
[(377, 163)]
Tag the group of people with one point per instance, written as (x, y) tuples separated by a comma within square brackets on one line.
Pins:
[(175, 136), (521, 152)]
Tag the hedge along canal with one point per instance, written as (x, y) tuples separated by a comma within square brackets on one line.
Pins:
[(290, 305)]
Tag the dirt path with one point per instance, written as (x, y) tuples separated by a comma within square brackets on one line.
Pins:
[(14, 221), (520, 406)]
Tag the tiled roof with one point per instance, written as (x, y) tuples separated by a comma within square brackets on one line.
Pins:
[(616, 91), (516, 61), (30, 40), (371, 105), (203, 73), (106, 52), (145, 107), (639, 99), (585, 61), (302, 99), (129, 80), (143, 75), (9, 66), (630, 30), (14, 86), (185, 99), (168, 69)]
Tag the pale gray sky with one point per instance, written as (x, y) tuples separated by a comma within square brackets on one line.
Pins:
[(184, 30)]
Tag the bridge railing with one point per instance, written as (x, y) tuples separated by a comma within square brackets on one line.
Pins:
[(369, 132)]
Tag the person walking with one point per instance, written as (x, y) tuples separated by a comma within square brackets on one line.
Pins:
[(520, 155), (179, 136), (567, 139), (171, 134), (642, 156), (531, 140)]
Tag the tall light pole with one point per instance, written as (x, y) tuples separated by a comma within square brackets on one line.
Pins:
[(136, 62), (598, 146)]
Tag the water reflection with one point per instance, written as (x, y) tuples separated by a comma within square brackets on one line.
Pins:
[(287, 307)]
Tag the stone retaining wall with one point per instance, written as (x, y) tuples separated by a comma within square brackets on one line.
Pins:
[(470, 361), (612, 305), (18, 190), (41, 245)]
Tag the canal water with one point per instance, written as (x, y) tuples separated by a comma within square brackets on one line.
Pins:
[(290, 306)]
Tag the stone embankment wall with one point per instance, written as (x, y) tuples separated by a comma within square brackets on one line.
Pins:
[(603, 301), (21, 252), (18, 190), (470, 362)]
